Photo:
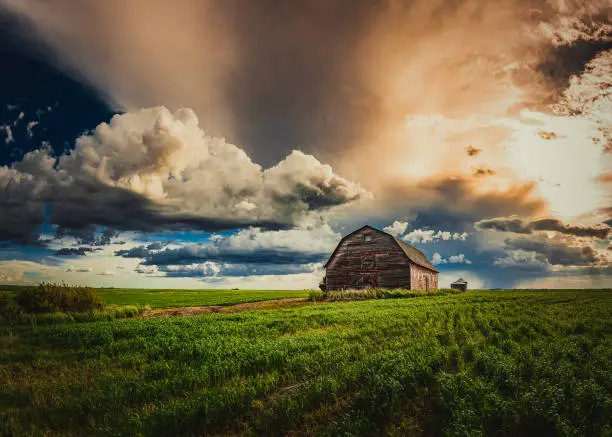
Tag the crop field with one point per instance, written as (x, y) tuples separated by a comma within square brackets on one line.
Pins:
[(504, 363)]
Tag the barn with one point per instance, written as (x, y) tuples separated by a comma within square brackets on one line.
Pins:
[(369, 258)]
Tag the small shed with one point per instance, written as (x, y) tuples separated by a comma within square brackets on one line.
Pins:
[(460, 284)]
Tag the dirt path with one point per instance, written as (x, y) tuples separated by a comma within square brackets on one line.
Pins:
[(194, 311)]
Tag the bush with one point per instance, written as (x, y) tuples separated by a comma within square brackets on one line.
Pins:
[(51, 297)]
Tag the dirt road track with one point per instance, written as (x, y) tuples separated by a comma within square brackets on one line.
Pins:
[(194, 311)]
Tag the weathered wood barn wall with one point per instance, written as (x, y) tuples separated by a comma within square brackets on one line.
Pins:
[(369, 258)]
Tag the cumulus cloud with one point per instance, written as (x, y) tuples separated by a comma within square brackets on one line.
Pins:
[(520, 225), (430, 236), (108, 273), (397, 228), (153, 168), (460, 258)]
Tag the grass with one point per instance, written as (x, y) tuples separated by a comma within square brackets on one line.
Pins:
[(477, 363)]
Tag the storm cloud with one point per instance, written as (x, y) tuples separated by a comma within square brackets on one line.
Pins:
[(527, 226)]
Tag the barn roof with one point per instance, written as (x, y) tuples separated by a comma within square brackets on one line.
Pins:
[(460, 281), (412, 253)]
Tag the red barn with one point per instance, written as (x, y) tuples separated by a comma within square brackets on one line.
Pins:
[(371, 258)]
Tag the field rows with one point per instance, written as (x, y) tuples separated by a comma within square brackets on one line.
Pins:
[(515, 363)]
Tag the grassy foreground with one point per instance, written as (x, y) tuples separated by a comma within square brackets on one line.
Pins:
[(512, 363)]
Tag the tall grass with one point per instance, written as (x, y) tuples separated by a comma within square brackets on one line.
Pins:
[(375, 293), (51, 297)]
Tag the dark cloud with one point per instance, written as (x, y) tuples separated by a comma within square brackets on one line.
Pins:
[(548, 135), (73, 251), (88, 236), (217, 253), (297, 60), (556, 251), (134, 252), (207, 270), (483, 171), (559, 63), (473, 151), (452, 203), (156, 246), (527, 226), (241, 254)]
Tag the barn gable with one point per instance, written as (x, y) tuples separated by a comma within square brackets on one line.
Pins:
[(412, 253)]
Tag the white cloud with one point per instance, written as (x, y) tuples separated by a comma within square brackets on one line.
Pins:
[(30, 126), (9, 133), (460, 258), (437, 259), (108, 273), (397, 228), (74, 269), (429, 236)]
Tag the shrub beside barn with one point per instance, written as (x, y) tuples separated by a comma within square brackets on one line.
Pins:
[(371, 258)]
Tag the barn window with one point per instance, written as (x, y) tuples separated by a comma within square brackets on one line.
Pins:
[(368, 262), (367, 237)]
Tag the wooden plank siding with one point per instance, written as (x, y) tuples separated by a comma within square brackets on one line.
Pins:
[(422, 278), (370, 258)]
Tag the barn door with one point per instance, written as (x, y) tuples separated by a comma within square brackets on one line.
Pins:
[(426, 283), (370, 280)]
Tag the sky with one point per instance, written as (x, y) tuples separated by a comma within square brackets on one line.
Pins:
[(205, 144)]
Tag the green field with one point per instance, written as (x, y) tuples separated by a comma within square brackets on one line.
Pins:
[(505, 363), (169, 298)]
